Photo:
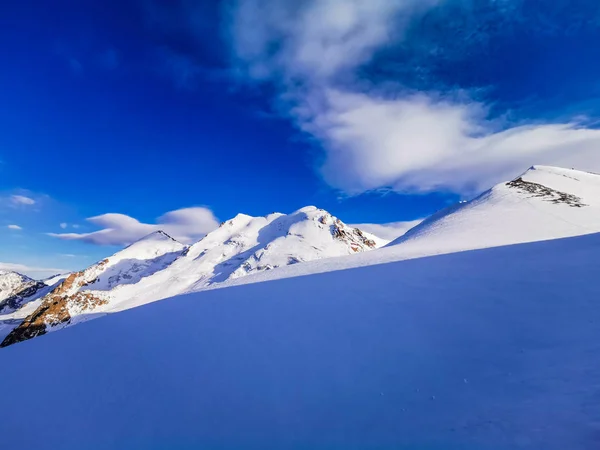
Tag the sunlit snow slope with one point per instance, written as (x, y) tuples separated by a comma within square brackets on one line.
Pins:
[(64, 303), (157, 267), (543, 203), (486, 349)]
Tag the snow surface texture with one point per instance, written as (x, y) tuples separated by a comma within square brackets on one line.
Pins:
[(488, 349), (157, 266)]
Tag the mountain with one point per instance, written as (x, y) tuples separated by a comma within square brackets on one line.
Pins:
[(157, 266), (543, 203), (67, 301), (247, 245), (17, 289), (489, 345), (487, 349), (11, 283)]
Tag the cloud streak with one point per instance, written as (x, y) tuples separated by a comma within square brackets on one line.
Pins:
[(186, 225), (21, 200), (385, 135)]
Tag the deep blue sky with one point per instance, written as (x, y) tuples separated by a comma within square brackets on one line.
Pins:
[(122, 106)]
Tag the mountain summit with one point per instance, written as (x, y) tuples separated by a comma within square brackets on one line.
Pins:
[(157, 266)]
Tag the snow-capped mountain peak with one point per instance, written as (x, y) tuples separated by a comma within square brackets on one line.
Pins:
[(151, 246), (157, 266), (11, 282), (16, 289)]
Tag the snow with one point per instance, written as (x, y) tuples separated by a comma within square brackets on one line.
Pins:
[(242, 246), (158, 266), (508, 215), (55, 279), (141, 259), (11, 282), (17, 291), (389, 231), (486, 349), (543, 203), (503, 215)]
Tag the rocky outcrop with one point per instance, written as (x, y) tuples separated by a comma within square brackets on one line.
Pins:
[(546, 193), (354, 237)]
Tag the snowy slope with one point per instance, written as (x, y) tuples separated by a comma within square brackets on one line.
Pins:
[(157, 266), (248, 245), (62, 304), (11, 283), (487, 349), (17, 289), (543, 203)]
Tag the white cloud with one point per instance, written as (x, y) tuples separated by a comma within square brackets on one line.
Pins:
[(388, 231), (186, 225), (14, 227), (64, 225), (385, 137), (22, 200), (315, 40), (418, 143)]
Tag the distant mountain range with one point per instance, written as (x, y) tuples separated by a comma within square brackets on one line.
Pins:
[(543, 203), (158, 266)]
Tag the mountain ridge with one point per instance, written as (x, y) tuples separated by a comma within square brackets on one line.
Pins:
[(157, 266), (542, 203)]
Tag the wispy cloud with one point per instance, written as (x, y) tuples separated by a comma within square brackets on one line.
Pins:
[(22, 200), (186, 225), (385, 135), (14, 227), (64, 225)]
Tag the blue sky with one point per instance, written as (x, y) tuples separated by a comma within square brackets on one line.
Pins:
[(378, 111)]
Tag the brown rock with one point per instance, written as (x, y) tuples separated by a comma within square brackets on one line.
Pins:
[(54, 309)]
